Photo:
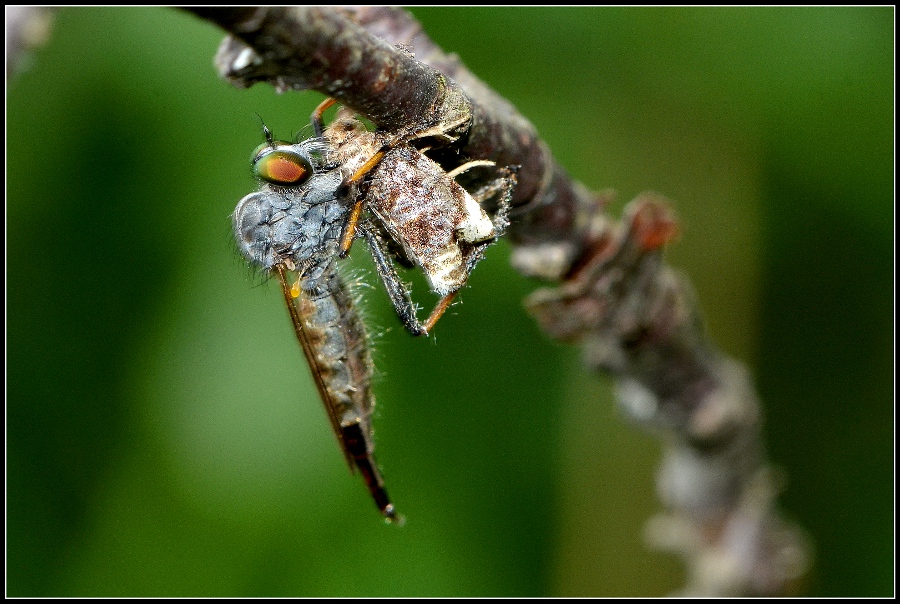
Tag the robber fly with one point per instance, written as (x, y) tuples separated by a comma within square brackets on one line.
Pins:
[(315, 198)]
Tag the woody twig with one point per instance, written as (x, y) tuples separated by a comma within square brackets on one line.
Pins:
[(635, 317)]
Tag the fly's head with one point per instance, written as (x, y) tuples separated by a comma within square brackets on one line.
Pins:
[(295, 217)]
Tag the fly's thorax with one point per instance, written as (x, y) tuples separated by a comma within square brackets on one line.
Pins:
[(300, 226)]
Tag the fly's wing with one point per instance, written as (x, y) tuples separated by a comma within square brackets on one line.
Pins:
[(300, 317)]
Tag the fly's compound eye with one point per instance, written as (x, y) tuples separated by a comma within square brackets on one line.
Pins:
[(281, 165)]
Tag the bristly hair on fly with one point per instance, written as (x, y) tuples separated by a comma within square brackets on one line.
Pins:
[(358, 278), (304, 133)]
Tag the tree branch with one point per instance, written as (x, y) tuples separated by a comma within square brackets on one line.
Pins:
[(635, 316)]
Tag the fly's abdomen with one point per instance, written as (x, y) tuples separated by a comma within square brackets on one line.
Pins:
[(298, 227), (334, 341), (336, 335)]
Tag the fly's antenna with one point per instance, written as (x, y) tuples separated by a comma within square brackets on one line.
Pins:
[(266, 132)]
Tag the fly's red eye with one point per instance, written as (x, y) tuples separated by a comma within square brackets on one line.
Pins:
[(281, 166)]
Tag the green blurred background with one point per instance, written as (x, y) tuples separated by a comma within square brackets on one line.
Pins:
[(164, 437)]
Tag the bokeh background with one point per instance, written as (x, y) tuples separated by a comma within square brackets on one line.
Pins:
[(164, 437)]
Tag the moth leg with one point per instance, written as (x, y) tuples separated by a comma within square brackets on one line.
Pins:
[(502, 188), (468, 166), (396, 289)]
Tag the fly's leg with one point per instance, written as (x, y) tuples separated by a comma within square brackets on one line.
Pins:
[(316, 120), (349, 234), (397, 291), (439, 308), (353, 221)]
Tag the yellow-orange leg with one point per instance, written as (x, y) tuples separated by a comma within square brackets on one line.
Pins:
[(316, 118), (318, 125), (350, 229)]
